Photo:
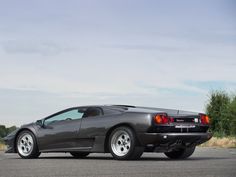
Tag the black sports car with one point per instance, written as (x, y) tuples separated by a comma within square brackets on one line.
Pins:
[(124, 131)]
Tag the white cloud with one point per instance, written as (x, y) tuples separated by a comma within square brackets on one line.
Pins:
[(141, 56), (33, 47)]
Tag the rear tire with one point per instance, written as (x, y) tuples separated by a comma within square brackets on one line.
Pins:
[(26, 145), (123, 144), (79, 155), (182, 153)]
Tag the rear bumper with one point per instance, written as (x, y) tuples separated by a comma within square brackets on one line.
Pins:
[(169, 139)]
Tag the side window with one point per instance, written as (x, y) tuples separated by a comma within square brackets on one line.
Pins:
[(69, 115), (92, 112)]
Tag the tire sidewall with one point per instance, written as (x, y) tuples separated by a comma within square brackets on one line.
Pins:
[(132, 143), (34, 153), (181, 153)]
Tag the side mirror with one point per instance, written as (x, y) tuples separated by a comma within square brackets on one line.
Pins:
[(40, 123)]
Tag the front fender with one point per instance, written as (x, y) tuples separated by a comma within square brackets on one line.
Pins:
[(10, 139)]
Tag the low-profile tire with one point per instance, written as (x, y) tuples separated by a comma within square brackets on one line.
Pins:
[(123, 144), (181, 153), (79, 154), (26, 145)]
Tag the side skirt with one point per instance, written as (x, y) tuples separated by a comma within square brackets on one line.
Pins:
[(85, 149)]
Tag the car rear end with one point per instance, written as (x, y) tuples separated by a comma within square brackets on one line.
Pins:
[(171, 131)]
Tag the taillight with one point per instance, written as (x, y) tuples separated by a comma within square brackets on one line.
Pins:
[(161, 119), (204, 119)]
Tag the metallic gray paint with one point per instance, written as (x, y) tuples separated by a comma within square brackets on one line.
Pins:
[(91, 133)]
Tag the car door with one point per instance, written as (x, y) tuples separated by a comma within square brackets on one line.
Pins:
[(60, 131)]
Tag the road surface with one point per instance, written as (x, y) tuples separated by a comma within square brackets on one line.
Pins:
[(210, 162)]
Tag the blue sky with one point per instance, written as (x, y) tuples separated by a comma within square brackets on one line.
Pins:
[(56, 54)]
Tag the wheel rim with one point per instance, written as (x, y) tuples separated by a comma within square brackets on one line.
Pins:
[(25, 144), (120, 143)]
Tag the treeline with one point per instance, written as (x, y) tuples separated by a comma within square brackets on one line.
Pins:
[(4, 131), (221, 108)]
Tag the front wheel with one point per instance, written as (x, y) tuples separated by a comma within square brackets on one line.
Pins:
[(26, 145), (123, 144), (181, 153)]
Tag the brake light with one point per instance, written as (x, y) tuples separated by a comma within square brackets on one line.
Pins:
[(171, 119), (161, 119), (204, 119)]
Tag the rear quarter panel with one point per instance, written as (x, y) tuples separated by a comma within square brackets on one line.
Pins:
[(95, 131), (100, 125)]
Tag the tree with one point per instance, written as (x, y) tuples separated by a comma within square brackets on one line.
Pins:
[(221, 108), (3, 131), (232, 116), (217, 109)]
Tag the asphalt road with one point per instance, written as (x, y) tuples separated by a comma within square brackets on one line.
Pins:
[(205, 162)]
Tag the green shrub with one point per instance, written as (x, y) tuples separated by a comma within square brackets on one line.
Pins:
[(221, 108)]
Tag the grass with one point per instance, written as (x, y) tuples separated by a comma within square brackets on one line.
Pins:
[(2, 147), (224, 142)]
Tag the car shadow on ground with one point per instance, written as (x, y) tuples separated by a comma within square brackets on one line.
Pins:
[(141, 159)]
